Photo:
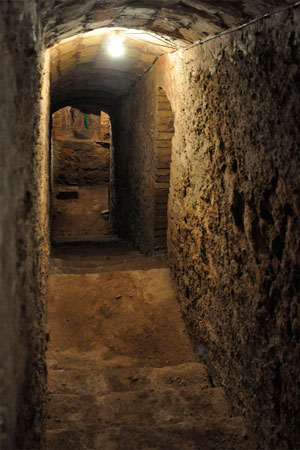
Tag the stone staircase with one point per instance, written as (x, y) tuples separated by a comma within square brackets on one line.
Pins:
[(122, 373), (173, 407)]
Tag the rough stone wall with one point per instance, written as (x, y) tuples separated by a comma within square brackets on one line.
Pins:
[(142, 135), (179, 20), (70, 123), (134, 137), (80, 175), (105, 130), (234, 230), (233, 210), (81, 155), (164, 134), (24, 225)]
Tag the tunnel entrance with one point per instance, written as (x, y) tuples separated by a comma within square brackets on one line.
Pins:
[(80, 175)]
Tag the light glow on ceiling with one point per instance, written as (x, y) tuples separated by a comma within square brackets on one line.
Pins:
[(115, 46), (146, 37)]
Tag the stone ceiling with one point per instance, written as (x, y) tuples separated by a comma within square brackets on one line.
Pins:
[(83, 74), (185, 20)]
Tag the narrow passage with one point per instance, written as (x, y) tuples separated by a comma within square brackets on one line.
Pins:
[(121, 370)]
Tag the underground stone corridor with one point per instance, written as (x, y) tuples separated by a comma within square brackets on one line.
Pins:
[(150, 220), (122, 372)]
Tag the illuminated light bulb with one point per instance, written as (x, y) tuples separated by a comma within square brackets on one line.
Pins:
[(116, 47)]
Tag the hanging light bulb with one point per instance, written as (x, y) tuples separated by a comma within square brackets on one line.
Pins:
[(115, 46)]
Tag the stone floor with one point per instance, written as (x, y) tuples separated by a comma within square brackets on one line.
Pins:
[(79, 219), (122, 372)]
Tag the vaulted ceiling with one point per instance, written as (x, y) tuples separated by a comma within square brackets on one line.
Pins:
[(86, 76), (82, 72), (186, 20)]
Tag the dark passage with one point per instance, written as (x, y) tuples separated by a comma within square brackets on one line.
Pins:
[(80, 175)]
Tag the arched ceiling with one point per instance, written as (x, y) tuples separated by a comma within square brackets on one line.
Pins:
[(86, 76), (181, 20), (83, 74)]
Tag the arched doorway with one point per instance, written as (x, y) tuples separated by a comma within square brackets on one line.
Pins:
[(80, 175)]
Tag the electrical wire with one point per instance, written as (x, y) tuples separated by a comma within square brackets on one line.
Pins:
[(240, 27), (151, 43), (159, 38)]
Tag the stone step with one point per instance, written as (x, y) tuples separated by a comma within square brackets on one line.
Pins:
[(100, 264), (123, 379), (183, 435), (122, 373), (144, 407), (138, 397)]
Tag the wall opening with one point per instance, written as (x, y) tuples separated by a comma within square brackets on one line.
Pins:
[(80, 175), (163, 146)]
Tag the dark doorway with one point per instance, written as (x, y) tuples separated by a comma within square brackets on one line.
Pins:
[(80, 175)]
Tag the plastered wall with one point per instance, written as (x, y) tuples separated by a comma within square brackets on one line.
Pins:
[(24, 225), (233, 210)]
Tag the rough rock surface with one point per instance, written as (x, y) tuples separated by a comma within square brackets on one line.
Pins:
[(24, 105), (163, 154), (143, 128), (80, 218), (234, 235), (80, 175), (134, 162), (122, 374), (181, 21), (234, 212), (82, 71), (80, 148), (80, 163)]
